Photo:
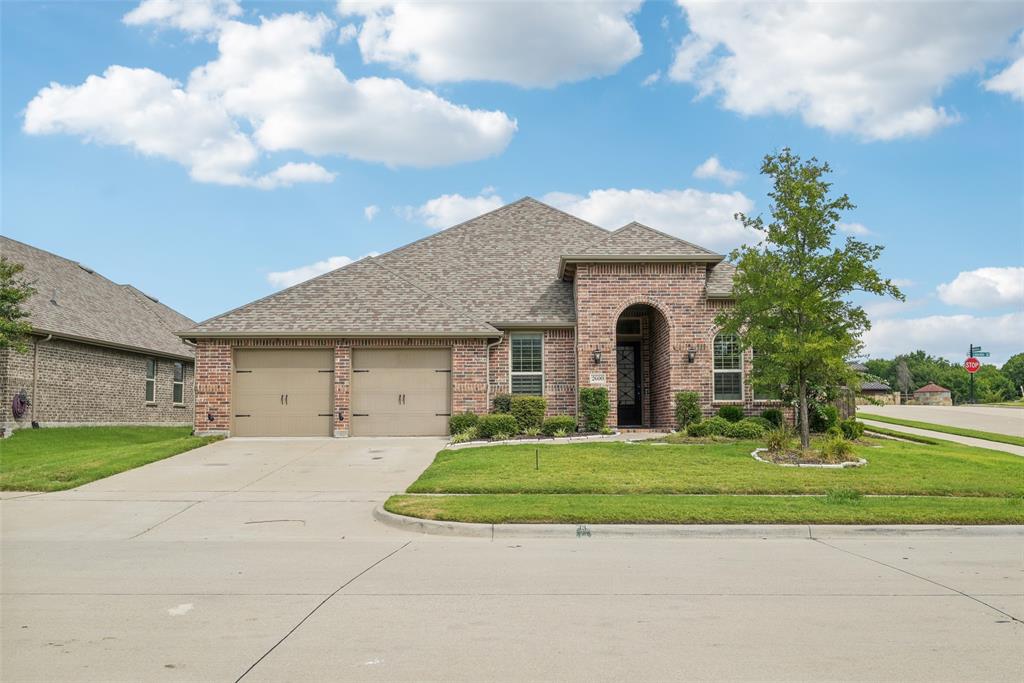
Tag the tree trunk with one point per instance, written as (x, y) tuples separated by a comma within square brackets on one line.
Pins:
[(805, 427)]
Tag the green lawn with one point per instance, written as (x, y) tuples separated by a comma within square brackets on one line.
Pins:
[(62, 458), (894, 468), (945, 429), (649, 509)]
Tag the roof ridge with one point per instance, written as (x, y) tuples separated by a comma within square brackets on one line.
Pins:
[(138, 293), (460, 311)]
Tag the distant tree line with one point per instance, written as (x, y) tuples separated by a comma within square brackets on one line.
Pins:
[(912, 371)]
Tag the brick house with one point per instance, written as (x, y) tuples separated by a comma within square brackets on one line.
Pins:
[(932, 394), (524, 299), (100, 352)]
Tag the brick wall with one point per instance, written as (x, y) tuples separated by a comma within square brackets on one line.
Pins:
[(559, 370), (79, 383)]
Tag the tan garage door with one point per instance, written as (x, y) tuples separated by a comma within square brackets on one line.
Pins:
[(401, 392), (283, 393)]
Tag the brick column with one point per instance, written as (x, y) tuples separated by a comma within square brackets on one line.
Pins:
[(213, 386)]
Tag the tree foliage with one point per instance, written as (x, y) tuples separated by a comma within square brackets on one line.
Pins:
[(991, 384), (14, 290), (791, 291)]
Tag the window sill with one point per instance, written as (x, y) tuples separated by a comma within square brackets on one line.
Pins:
[(151, 403), (768, 401), (179, 405), (728, 402)]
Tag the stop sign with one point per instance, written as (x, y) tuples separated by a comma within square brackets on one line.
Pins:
[(972, 364)]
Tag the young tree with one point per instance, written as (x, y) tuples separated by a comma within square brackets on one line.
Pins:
[(14, 290), (791, 290), (903, 376)]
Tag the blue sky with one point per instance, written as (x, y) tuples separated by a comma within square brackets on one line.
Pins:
[(212, 191)]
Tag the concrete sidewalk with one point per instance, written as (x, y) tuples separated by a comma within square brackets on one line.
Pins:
[(955, 438)]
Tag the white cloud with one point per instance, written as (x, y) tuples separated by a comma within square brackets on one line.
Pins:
[(704, 218), (371, 212), (903, 282), (1009, 81), (651, 79), (535, 44), (347, 33), (712, 168), (198, 17), (287, 278), (946, 335), (858, 229), (452, 209), (985, 288), (870, 68), (271, 78)]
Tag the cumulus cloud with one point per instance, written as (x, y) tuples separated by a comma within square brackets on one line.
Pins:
[(1009, 81), (946, 335), (371, 212), (985, 288), (651, 79), (869, 68), (274, 80), (858, 229), (704, 218), (287, 278), (712, 168), (198, 17), (538, 44), (452, 209)]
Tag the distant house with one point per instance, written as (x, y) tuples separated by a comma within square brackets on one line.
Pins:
[(872, 390), (100, 352), (933, 395)]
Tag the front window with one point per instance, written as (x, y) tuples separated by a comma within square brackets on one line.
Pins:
[(179, 383), (527, 363), (150, 380), (728, 368)]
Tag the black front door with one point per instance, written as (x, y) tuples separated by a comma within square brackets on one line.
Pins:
[(627, 369)]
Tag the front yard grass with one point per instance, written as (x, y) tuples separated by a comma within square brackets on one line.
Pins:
[(946, 429), (65, 457), (894, 468)]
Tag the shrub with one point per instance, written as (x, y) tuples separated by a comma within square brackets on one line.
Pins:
[(532, 431), (714, 426), (594, 407), (731, 413), (558, 423), (528, 411), (464, 436), (821, 416), (687, 409), (779, 440), (773, 415), (852, 429), (502, 403), (745, 429), (836, 449), (461, 422), (560, 433), (490, 426), (767, 424), (503, 436), (834, 431)]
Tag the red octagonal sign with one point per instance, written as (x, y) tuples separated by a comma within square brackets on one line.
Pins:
[(972, 364)]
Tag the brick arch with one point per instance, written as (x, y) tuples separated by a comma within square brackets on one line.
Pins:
[(658, 348)]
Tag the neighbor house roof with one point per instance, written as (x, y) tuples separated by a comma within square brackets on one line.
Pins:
[(75, 302), (872, 385), (931, 388), (498, 270)]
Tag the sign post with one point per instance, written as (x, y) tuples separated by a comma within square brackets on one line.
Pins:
[(972, 364)]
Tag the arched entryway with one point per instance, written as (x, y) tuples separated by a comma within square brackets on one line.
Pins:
[(643, 368)]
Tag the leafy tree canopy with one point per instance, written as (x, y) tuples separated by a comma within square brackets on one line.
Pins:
[(14, 290)]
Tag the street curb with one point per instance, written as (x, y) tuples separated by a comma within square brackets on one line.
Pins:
[(667, 531)]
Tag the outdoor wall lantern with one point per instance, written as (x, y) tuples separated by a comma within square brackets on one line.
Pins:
[(597, 356), (691, 353)]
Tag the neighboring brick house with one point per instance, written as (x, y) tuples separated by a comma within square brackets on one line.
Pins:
[(932, 394), (524, 299), (100, 352)]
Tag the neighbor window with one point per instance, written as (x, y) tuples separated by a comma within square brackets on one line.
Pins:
[(527, 365), (178, 390), (150, 380), (728, 368)]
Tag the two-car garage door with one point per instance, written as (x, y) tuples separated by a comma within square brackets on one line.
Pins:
[(395, 392)]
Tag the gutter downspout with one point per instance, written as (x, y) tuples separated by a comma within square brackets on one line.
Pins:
[(35, 373), (487, 384)]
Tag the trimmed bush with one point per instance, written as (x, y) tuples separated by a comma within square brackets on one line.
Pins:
[(773, 415), (745, 429), (821, 416), (687, 409), (852, 429), (489, 426), (731, 413), (713, 426), (528, 411), (502, 403), (594, 408), (767, 424), (464, 436), (559, 423), (462, 422)]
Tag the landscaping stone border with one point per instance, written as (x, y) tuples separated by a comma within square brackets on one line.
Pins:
[(682, 531), (860, 462)]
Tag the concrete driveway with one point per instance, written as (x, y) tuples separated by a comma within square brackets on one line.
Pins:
[(259, 560)]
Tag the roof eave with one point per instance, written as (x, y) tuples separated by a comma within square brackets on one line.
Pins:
[(535, 325), (333, 334), (38, 331), (641, 258)]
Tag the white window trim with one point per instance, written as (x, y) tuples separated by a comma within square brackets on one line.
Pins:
[(715, 371), (175, 383), (532, 334), (150, 381)]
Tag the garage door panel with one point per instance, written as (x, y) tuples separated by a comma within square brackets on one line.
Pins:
[(401, 392), (283, 393)]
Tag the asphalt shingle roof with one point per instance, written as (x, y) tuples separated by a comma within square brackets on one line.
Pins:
[(931, 388), (720, 276), (75, 302)]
